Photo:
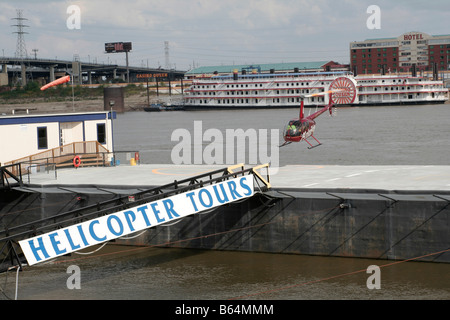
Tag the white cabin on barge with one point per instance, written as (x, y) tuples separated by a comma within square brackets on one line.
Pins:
[(30, 134)]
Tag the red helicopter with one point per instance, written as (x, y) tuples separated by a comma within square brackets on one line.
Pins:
[(302, 128), (341, 91)]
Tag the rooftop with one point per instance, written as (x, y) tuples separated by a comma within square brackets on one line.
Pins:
[(264, 67)]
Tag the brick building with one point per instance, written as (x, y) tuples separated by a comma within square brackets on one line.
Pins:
[(410, 52)]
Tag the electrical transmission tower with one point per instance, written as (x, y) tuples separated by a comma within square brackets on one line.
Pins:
[(21, 49), (166, 51)]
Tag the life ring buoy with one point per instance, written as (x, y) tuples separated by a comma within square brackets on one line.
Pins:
[(76, 161)]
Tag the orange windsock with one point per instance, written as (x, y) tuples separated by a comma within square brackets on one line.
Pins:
[(56, 82)]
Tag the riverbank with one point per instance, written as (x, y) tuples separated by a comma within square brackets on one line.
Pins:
[(135, 102)]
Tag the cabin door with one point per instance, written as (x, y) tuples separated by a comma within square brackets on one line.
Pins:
[(71, 132)]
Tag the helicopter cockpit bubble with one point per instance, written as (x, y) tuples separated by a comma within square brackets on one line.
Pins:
[(293, 128)]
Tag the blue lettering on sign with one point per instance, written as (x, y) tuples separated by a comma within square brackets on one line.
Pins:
[(191, 196), (127, 217), (110, 227), (245, 186), (156, 212), (207, 199), (41, 248), (232, 187), (224, 194), (56, 243), (83, 237), (206, 205), (144, 215), (91, 231), (130, 220), (69, 238), (168, 205)]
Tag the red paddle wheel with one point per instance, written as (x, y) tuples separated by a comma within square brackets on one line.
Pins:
[(345, 91)]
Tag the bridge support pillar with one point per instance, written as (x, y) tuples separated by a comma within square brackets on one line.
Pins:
[(4, 75), (52, 73), (23, 74)]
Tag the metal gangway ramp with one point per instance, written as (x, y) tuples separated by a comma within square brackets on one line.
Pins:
[(12, 255)]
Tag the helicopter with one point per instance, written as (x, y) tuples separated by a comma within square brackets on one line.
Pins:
[(302, 128), (341, 91)]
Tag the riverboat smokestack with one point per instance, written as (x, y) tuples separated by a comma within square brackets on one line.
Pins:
[(435, 72), (414, 70)]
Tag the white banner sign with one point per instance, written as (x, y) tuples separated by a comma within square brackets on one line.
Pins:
[(119, 224)]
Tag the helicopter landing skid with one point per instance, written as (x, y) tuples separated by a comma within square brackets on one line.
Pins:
[(311, 146), (285, 144)]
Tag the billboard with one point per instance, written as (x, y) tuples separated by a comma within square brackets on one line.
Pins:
[(152, 75), (114, 47)]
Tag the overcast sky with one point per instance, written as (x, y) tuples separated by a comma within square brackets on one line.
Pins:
[(213, 32)]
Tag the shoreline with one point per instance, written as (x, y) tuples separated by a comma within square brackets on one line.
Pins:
[(135, 102)]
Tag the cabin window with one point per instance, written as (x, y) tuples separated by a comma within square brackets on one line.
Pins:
[(42, 138), (101, 133)]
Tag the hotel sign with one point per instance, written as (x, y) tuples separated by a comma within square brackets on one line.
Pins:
[(96, 231), (415, 36)]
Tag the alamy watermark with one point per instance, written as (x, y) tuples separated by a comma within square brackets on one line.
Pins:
[(374, 20), (373, 281), (74, 280), (74, 20), (212, 146)]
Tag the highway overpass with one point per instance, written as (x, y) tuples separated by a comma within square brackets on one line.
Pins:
[(19, 71)]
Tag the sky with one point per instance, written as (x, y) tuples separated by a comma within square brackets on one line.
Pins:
[(212, 32)]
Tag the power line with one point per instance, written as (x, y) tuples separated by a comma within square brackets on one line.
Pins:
[(21, 49)]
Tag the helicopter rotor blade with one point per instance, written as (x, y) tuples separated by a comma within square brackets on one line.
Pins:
[(322, 93)]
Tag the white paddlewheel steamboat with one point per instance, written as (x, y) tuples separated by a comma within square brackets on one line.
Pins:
[(286, 90)]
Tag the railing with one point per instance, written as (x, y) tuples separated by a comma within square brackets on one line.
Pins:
[(12, 171), (141, 197), (10, 236), (46, 168), (90, 153), (55, 155)]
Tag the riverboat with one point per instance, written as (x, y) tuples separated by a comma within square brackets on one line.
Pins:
[(259, 90)]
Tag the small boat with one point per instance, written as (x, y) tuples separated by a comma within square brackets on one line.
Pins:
[(153, 107), (156, 107)]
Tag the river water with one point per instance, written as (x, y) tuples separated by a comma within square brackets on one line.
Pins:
[(395, 135), (417, 135)]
